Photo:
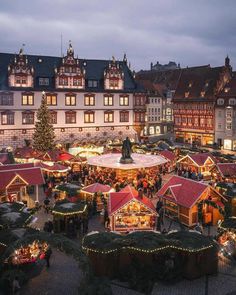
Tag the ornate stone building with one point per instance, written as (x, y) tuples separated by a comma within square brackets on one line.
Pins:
[(89, 100)]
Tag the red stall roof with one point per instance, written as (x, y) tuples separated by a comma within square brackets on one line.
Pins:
[(168, 155), (96, 188), (227, 169)]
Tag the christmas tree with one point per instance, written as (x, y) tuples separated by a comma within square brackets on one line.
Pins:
[(43, 137)]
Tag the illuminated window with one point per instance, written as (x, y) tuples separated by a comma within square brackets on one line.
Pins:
[(63, 81), (108, 100), (89, 117), (108, 117), (124, 100), (77, 82), (113, 83), (51, 99), (89, 100), (70, 100), (27, 99), (186, 94)]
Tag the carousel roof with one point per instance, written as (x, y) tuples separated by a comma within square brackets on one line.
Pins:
[(65, 207), (30, 176), (120, 199), (183, 191), (227, 169), (52, 168), (96, 188)]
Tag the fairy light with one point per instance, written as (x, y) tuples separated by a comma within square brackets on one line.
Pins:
[(69, 213)]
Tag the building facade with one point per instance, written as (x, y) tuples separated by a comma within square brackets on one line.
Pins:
[(194, 103), (225, 116), (89, 100)]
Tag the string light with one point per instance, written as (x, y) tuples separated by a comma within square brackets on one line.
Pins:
[(69, 213)]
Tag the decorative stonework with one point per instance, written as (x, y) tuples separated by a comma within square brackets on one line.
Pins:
[(114, 76), (20, 73), (70, 75)]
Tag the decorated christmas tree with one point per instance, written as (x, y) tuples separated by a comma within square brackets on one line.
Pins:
[(43, 137)]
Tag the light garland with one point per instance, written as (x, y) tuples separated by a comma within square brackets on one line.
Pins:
[(147, 251), (69, 213)]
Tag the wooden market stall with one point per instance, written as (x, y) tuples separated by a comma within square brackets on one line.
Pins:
[(224, 172), (190, 201), (228, 190), (53, 170), (17, 181), (171, 157), (65, 211), (129, 210), (227, 237), (96, 190), (25, 154), (201, 163)]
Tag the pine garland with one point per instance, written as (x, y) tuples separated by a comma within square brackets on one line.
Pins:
[(43, 137)]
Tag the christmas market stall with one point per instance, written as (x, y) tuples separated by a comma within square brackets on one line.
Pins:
[(227, 237), (129, 210), (96, 192), (224, 172), (18, 182), (53, 170), (25, 154), (66, 213), (171, 158), (191, 201), (186, 254), (228, 190), (13, 215), (200, 164)]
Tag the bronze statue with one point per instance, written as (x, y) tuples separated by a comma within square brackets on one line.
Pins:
[(126, 152)]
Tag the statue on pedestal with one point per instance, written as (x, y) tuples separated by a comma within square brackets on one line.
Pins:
[(126, 152)]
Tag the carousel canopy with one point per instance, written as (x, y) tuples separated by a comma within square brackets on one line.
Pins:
[(96, 188), (120, 199), (9, 236), (147, 241), (13, 215), (52, 168), (65, 207)]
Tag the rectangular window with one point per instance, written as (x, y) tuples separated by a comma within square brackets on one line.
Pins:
[(108, 100), (140, 117), (53, 117), (124, 100), (219, 126), (44, 81), (228, 126), (124, 116), (28, 99), (77, 82), (70, 100), (92, 83), (89, 117), (8, 118), (113, 83), (51, 99), (89, 100), (108, 117), (28, 118), (63, 81), (70, 117), (6, 99)]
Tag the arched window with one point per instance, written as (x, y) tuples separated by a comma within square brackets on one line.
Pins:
[(232, 101), (220, 101)]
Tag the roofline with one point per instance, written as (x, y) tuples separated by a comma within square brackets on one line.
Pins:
[(21, 169)]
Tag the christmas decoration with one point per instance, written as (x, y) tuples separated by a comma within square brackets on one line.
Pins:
[(43, 137)]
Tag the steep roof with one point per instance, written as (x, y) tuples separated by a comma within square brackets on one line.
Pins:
[(185, 191), (230, 88), (196, 80), (168, 155), (16, 166), (31, 176), (118, 200), (200, 158), (227, 169), (45, 68)]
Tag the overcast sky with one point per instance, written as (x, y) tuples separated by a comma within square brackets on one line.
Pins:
[(187, 31)]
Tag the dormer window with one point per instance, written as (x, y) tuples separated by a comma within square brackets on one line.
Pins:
[(190, 84), (232, 101), (227, 89), (92, 83), (43, 81), (186, 95), (114, 76), (220, 101), (203, 93), (206, 84)]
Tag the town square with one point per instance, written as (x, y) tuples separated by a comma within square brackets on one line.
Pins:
[(117, 178)]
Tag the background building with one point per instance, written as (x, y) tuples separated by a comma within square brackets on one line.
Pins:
[(89, 100)]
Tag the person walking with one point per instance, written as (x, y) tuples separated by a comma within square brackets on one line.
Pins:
[(48, 254)]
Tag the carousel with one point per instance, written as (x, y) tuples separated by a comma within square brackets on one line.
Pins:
[(125, 165)]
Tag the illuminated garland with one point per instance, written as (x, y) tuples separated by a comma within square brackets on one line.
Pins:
[(86, 249), (69, 213), (210, 203)]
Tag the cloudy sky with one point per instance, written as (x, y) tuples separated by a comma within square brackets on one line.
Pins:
[(186, 31)]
